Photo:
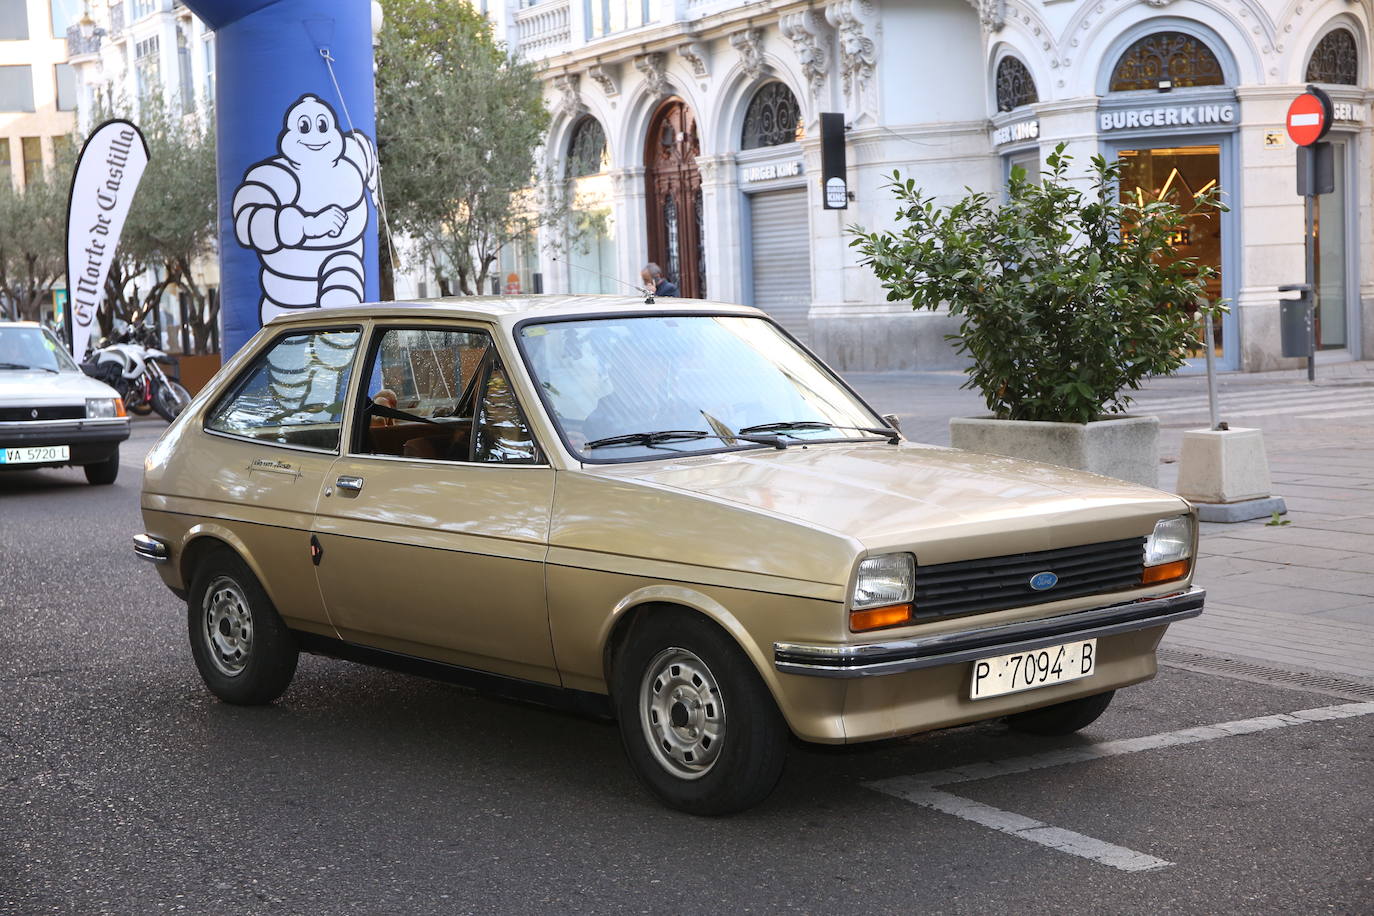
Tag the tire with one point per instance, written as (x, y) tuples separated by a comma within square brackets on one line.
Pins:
[(700, 728), (170, 399), (103, 473), (244, 653), (1062, 718)]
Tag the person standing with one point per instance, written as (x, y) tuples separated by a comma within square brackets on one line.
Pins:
[(653, 278)]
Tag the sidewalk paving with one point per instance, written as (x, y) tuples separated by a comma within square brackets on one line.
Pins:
[(1299, 596)]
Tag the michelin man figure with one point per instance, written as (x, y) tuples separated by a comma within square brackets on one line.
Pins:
[(303, 211)]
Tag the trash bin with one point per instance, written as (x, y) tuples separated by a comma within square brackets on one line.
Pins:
[(1294, 326)]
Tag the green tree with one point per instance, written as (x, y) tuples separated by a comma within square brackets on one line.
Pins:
[(459, 124), (1068, 295), (169, 235), (32, 241)]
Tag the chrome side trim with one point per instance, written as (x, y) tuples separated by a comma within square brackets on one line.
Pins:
[(870, 659), (74, 423), (151, 549)]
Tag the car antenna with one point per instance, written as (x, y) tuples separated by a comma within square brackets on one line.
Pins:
[(637, 290)]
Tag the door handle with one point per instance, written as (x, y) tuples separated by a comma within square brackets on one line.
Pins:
[(352, 484)]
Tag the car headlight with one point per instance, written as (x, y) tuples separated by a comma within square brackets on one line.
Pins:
[(1169, 550), (103, 408), (883, 592)]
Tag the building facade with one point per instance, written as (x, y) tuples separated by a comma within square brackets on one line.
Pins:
[(687, 134), (121, 51), (37, 87)]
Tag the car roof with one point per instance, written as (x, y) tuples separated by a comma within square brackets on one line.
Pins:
[(508, 310), (19, 324)]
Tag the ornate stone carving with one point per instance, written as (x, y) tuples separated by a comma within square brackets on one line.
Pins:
[(604, 78), (1159, 3), (570, 103), (652, 65), (697, 57), (810, 37), (749, 44), (855, 22), (993, 13)]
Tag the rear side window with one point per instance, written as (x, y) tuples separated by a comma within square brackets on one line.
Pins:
[(293, 393), (442, 394)]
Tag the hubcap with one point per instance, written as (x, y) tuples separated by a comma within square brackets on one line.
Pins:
[(682, 713), (228, 632)]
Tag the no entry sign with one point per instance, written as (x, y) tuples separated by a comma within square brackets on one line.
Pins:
[(1309, 117)]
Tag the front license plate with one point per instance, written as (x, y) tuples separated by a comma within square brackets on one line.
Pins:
[(35, 454), (993, 677)]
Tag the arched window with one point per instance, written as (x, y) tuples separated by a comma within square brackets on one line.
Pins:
[(771, 119), (1014, 85), (587, 149), (1167, 60), (1335, 60)]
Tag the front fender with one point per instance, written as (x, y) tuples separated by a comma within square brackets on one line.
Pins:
[(690, 598), (813, 707)]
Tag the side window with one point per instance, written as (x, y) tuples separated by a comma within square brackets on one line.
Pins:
[(293, 393), (425, 387), (500, 433)]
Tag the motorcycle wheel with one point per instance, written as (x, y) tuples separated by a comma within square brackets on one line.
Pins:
[(170, 399), (135, 404)]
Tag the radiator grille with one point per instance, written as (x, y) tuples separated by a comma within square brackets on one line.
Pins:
[(63, 412), (995, 583)]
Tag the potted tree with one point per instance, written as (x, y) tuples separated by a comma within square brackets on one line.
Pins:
[(1070, 295)]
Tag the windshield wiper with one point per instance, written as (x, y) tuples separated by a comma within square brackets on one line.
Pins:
[(891, 434), (24, 367), (652, 440)]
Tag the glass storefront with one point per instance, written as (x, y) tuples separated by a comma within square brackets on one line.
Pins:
[(1178, 174)]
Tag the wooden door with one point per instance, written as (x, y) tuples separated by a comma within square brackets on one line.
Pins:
[(673, 191)]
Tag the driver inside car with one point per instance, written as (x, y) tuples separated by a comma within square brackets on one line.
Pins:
[(644, 398)]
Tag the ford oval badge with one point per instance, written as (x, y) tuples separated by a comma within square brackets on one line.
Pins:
[(1043, 580)]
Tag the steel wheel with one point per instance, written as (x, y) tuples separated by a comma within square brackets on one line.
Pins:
[(243, 650), (228, 629), (675, 677), (683, 713)]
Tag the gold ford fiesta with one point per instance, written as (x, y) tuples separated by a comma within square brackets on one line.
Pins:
[(672, 514)]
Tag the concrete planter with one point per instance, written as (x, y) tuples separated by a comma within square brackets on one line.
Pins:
[(1123, 447)]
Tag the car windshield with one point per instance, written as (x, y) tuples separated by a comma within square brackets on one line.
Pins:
[(657, 385), (30, 348)]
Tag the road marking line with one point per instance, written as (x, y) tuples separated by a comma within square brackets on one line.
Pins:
[(1318, 396), (921, 789), (1075, 844), (1251, 408), (1309, 410)]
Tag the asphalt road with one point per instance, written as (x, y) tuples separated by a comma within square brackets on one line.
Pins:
[(126, 788)]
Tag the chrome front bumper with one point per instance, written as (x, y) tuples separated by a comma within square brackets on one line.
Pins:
[(872, 659), (151, 549)]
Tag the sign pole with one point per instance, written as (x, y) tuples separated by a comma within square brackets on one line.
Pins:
[(1210, 343), (1309, 118)]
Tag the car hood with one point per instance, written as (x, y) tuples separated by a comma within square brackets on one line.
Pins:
[(889, 496), (20, 388)]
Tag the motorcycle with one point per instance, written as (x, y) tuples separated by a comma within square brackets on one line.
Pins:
[(131, 363)]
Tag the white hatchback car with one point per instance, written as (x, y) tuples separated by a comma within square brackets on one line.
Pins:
[(52, 413)]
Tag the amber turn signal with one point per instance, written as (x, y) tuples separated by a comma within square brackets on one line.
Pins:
[(119, 407), (875, 618), (1165, 572)]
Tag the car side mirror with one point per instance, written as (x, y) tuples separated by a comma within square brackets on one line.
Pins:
[(891, 419)]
